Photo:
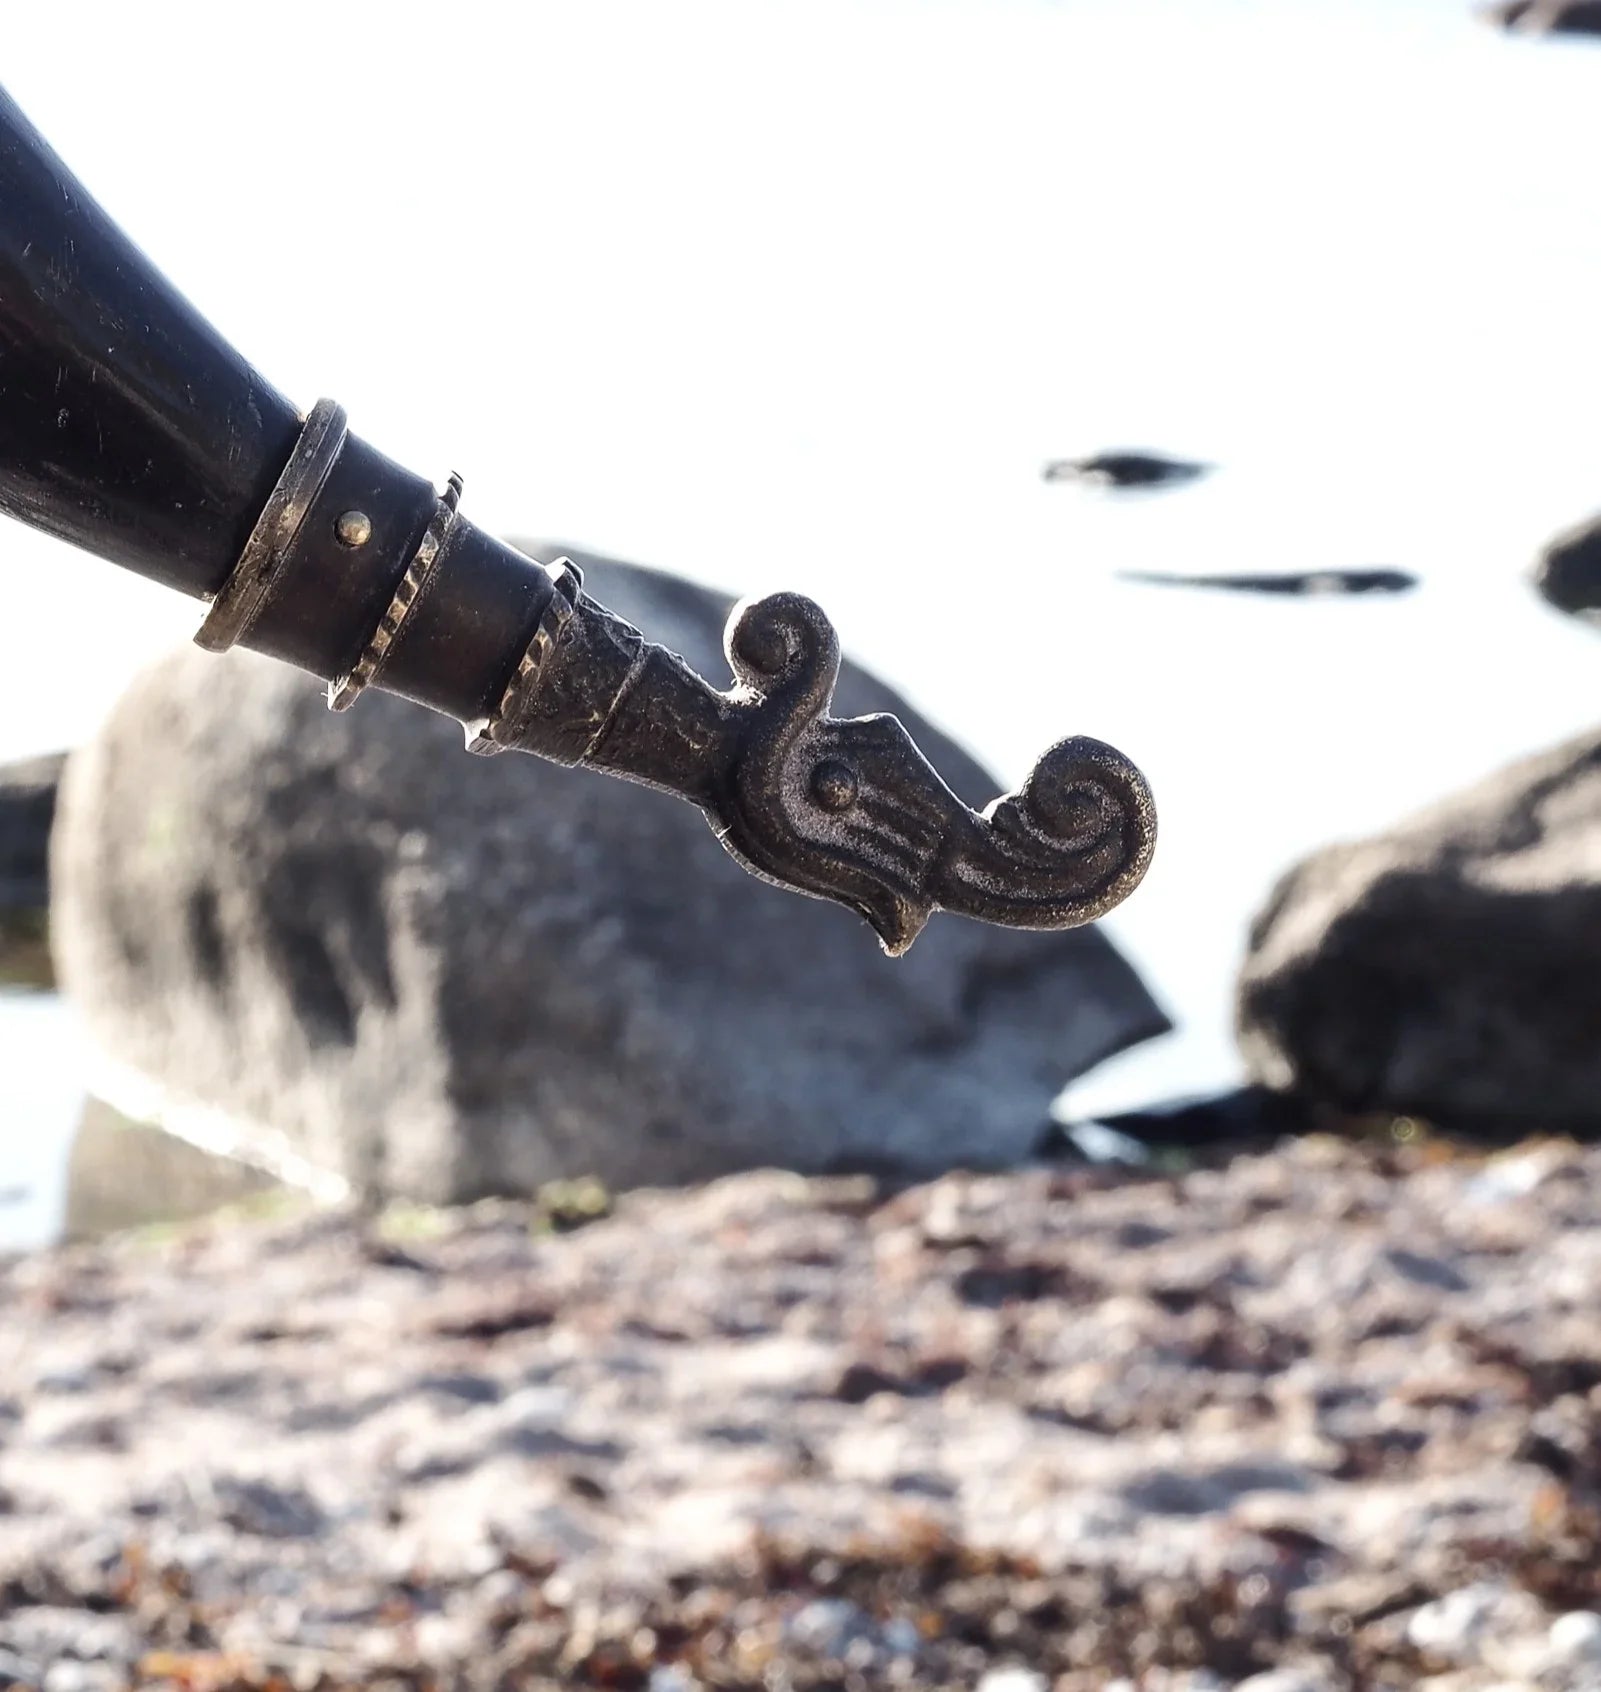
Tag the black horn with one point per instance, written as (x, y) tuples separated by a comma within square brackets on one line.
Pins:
[(129, 427)]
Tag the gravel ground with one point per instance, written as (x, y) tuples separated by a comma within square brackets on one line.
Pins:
[(1327, 1416)]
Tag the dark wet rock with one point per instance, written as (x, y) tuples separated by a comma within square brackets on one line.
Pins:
[(1239, 1117), (1448, 969), (27, 809), (1567, 574), (442, 977), (1302, 584), (1549, 17), (1126, 470)]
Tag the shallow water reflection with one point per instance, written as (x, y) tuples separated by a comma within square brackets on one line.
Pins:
[(41, 1099)]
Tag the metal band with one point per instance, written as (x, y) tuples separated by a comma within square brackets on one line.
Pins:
[(630, 681), (254, 578), (343, 691), (500, 729)]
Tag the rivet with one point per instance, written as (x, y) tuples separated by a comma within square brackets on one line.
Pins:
[(834, 785), (354, 528)]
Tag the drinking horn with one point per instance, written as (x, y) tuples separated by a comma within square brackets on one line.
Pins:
[(129, 427)]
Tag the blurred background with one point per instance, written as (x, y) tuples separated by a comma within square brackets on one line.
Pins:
[(807, 296)]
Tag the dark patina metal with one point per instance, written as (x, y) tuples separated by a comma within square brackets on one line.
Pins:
[(129, 427)]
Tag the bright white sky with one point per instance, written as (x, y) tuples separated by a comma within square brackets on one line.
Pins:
[(805, 293)]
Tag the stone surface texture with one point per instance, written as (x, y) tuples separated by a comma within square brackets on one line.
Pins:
[(1330, 1416), (1449, 968), (443, 977)]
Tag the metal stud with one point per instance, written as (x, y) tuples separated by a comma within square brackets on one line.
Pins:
[(354, 528)]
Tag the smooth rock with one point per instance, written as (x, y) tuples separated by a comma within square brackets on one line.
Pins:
[(1567, 574), (123, 1174), (27, 808), (1459, 1627), (1237, 1117), (442, 977), (1574, 1640), (1449, 969), (1285, 584), (1122, 469)]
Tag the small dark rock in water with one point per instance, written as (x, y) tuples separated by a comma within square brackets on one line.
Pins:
[(27, 809), (1243, 1116), (1126, 470), (1567, 574), (1549, 17), (1306, 584)]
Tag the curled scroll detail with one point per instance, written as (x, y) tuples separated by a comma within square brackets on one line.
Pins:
[(850, 809)]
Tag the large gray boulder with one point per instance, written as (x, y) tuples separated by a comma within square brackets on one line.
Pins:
[(1449, 969), (27, 809), (442, 977)]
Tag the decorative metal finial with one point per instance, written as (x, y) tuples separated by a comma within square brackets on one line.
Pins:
[(839, 808), (845, 809), (313, 547)]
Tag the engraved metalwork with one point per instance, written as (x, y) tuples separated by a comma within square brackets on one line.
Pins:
[(312, 547), (505, 727), (840, 809), (354, 528), (261, 565), (343, 691)]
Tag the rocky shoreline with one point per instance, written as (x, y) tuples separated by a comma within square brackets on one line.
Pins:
[(1329, 1414)]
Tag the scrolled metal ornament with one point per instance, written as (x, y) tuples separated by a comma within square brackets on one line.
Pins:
[(131, 428), (845, 809)]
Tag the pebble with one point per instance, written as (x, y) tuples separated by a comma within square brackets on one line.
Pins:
[(829, 1627), (1305, 1677), (1574, 1639), (1512, 1177), (1456, 1626), (1013, 1680), (901, 1637), (70, 1676)]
